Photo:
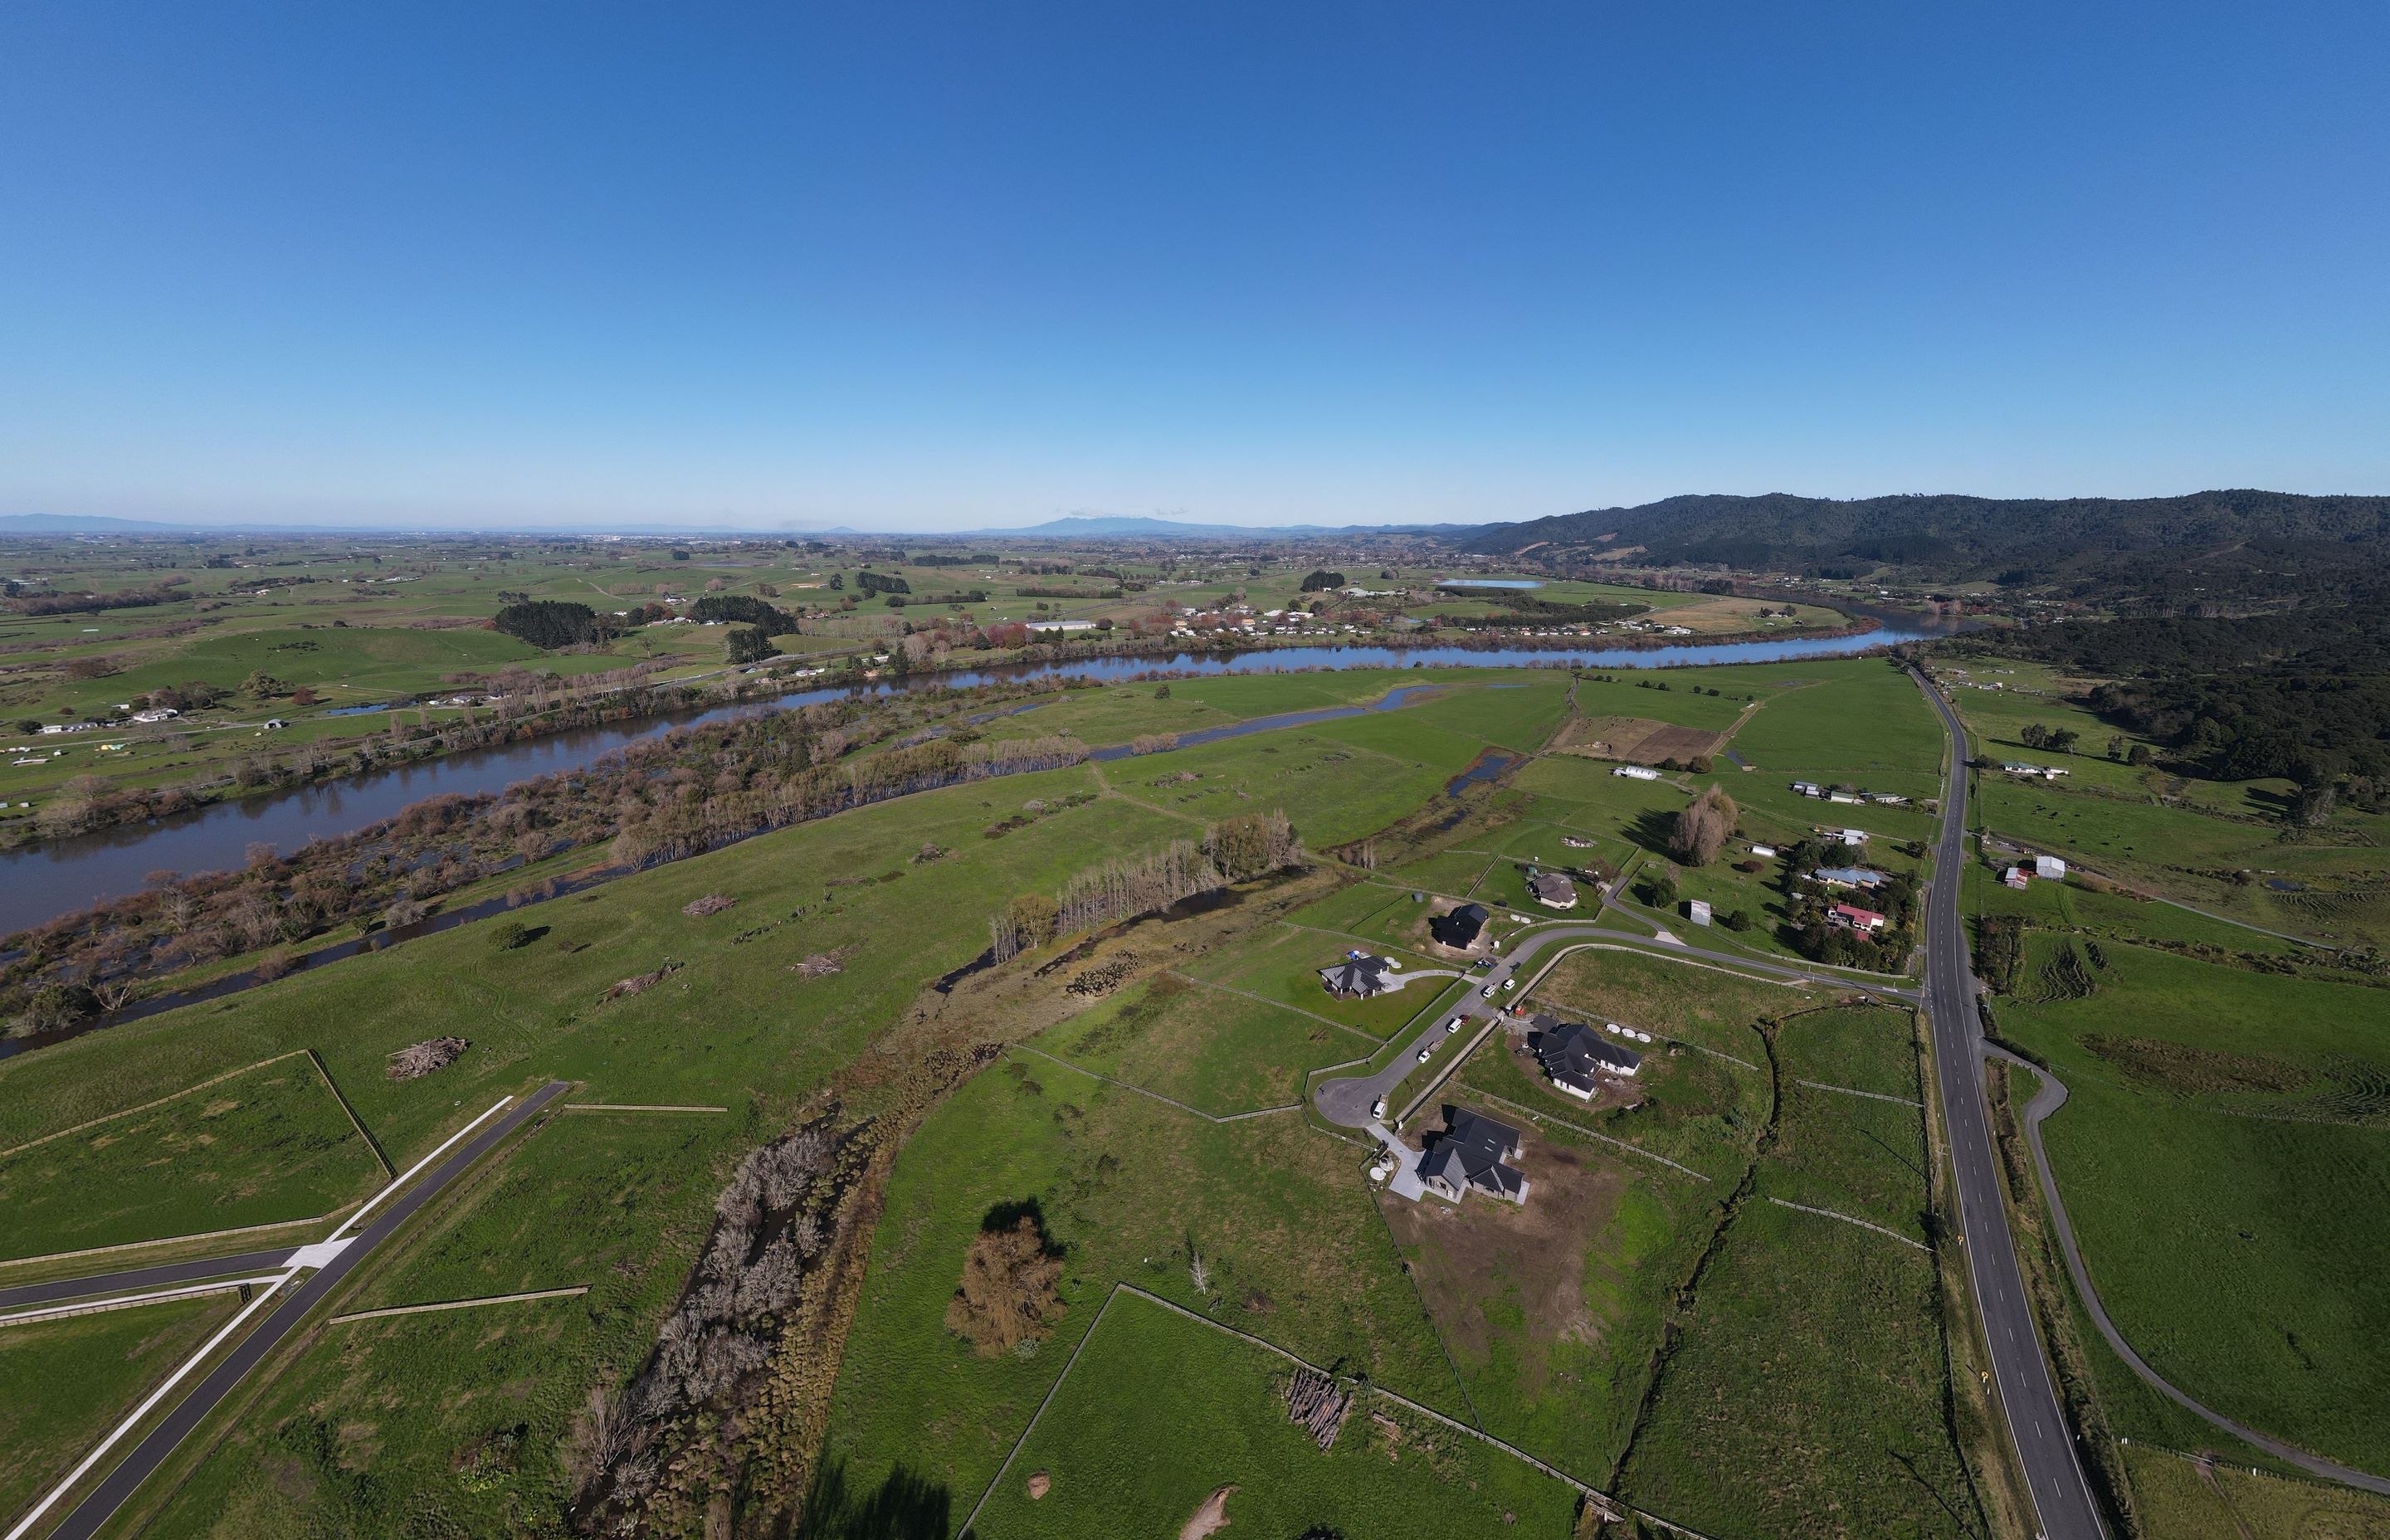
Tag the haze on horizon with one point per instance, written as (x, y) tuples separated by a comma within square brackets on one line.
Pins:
[(768, 267)]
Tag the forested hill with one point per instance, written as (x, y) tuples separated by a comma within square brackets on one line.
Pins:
[(2301, 693), (2236, 542)]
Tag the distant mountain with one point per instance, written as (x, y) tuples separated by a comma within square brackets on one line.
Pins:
[(2240, 541), (83, 523), (1082, 526)]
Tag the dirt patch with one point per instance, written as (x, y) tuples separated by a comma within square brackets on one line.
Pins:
[(1637, 740), (1209, 1518), (1040, 1485), (1532, 1257)]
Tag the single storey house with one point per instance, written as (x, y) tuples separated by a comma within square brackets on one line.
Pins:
[(1359, 977), (1552, 889), (1473, 1151), (1575, 1056), (1461, 927), (1848, 877), (2016, 877), (1850, 916)]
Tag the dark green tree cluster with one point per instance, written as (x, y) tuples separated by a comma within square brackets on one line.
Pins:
[(743, 610), (553, 623), (750, 645), (1320, 582), (880, 583)]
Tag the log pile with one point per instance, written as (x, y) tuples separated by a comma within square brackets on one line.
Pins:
[(1316, 1402), (417, 1059), (639, 984), (712, 904)]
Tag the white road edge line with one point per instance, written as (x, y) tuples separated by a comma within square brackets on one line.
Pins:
[(149, 1403), (126, 1302)]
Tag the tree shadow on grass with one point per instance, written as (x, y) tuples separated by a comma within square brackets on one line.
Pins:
[(907, 1506), (1654, 831)]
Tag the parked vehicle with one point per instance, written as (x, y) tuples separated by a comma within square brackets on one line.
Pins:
[(1423, 1054), (1378, 1108), (1453, 1026)]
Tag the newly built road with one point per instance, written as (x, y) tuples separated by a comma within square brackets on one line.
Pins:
[(2063, 1502), (1347, 1102), (120, 1484), (164, 1274)]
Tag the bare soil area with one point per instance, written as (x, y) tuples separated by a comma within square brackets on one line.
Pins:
[(1636, 739), (1531, 1258)]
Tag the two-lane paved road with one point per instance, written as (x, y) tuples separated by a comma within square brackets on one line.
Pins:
[(136, 1467), (2054, 1471), (164, 1274)]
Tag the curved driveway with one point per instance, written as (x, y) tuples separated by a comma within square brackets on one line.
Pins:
[(1346, 1102)]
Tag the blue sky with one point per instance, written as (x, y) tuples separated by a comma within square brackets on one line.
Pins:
[(916, 267)]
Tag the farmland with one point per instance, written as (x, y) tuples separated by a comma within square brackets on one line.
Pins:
[(1128, 1097)]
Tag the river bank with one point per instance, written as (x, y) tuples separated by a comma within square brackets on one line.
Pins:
[(60, 876)]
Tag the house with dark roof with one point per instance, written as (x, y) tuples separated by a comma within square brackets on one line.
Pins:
[(1552, 889), (1575, 1056), (1359, 977), (1461, 927), (1473, 1151)]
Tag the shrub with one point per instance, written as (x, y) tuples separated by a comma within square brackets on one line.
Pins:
[(1008, 1292)]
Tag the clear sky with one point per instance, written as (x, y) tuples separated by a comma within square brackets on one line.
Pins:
[(939, 266)]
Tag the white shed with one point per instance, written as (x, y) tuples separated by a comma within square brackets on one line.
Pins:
[(2049, 868)]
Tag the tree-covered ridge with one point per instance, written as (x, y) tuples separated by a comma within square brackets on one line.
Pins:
[(2209, 542), (2301, 693)]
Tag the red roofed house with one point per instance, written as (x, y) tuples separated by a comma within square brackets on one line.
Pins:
[(1852, 917)]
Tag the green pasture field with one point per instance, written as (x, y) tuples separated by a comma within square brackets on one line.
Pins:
[(1854, 1155), (1711, 1007), (2223, 1154), (1636, 692), (267, 1145), (587, 1197), (2177, 1499), (1283, 966), (1695, 1109), (732, 1024), (64, 1384), (2070, 905), (1220, 1052), (375, 1429), (1158, 1413), (1805, 1394), (1125, 1185), (2189, 855)]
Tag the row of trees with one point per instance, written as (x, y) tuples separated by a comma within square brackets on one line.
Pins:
[(1233, 850)]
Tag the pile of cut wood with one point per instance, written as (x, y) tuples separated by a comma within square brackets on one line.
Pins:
[(417, 1059), (1318, 1404), (712, 904)]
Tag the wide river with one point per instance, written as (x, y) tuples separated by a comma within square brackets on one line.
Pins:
[(39, 882)]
